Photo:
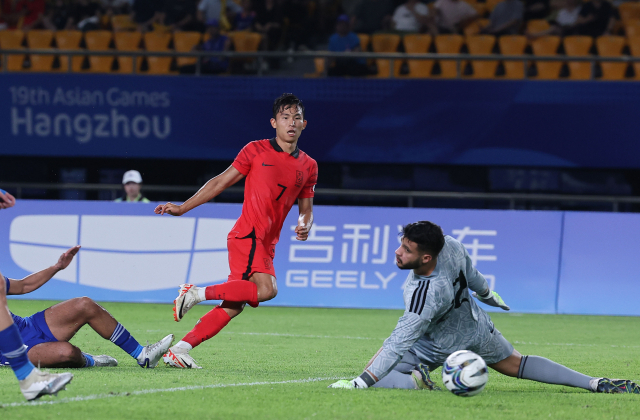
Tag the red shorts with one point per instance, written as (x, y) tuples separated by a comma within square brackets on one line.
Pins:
[(248, 255)]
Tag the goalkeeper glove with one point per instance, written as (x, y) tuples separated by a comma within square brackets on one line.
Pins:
[(492, 299), (357, 383)]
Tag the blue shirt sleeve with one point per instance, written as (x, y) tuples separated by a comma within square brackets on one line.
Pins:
[(334, 44), (354, 41)]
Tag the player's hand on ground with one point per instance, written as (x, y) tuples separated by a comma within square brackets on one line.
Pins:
[(66, 258), (169, 208), (302, 232), (343, 384), (493, 299), (6, 200)]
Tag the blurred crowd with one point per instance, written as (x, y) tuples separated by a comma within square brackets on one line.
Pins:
[(309, 24)]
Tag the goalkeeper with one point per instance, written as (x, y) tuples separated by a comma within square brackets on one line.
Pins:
[(441, 317)]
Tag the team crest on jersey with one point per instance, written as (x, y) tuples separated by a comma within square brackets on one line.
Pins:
[(267, 263), (299, 178)]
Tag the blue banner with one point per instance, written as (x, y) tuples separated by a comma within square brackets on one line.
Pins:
[(350, 120), (130, 254)]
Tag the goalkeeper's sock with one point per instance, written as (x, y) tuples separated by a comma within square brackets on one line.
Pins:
[(123, 339), (397, 380), (13, 348), (208, 326), (536, 368), (234, 291)]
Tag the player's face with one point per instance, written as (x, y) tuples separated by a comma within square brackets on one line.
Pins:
[(408, 256), (289, 124)]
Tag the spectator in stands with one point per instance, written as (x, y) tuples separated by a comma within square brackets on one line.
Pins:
[(32, 13), (301, 26), (132, 182), (413, 16), (536, 9), (216, 42), (269, 22), (345, 41), (244, 21), (372, 15), (597, 18), (454, 15), (505, 19), (84, 15), (115, 7), (180, 15), (565, 22), (145, 13), (56, 17), (221, 10)]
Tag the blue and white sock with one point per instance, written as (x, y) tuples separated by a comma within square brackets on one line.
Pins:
[(123, 339), (88, 360), (12, 347)]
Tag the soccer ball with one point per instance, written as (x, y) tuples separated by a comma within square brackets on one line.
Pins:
[(465, 373)]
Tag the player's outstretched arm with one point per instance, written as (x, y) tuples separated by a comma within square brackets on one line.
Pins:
[(491, 298), (36, 280), (211, 189), (6, 200), (305, 219)]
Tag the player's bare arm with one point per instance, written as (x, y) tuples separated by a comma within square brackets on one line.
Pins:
[(213, 188), (305, 219), (36, 280), (6, 200)]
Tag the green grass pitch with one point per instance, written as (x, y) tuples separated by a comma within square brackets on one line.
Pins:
[(277, 362)]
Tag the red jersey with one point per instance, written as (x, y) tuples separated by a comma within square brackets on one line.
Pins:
[(275, 180)]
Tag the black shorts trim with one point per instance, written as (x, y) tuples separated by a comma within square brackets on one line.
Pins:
[(252, 253)]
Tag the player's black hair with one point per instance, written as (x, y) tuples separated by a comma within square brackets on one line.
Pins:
[(287, 100), (427, 235)]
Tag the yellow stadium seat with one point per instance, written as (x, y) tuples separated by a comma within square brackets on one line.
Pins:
[(185, 42), (537, 25), (99, 41), (634, 47), (40, 39), (629, 10), (158, 41), (245, 41), (128, 41), (418, 44), (611, 46), (546, 46), (513, 45), (386, 43), (491, 4), (632, 27), (482, 44), (481, 8), (449, 44), (365, 39), (123, 23), (578, 46), (474, 27), (13, 40), (69, 40)]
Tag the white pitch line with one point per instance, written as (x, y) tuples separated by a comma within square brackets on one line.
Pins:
[(574, 345), (155, 391)]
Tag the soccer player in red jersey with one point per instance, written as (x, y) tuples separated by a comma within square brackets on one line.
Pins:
[(277, 174)]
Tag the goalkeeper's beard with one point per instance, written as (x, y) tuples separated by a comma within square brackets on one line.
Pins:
[(409, 265)]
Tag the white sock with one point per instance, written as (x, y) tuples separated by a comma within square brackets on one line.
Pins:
[(593, 383), (201, 293), (183, 345)]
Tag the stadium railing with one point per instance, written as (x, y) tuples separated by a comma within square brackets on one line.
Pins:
[(409, 196), (262, 56)]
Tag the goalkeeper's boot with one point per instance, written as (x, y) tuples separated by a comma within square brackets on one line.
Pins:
[(617, 386), (151, 354), (187, 299), (179, 358), (40, 383), (420, 376), (104, 361)]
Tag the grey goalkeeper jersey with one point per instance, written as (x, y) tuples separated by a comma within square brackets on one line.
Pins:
[(438, 307)]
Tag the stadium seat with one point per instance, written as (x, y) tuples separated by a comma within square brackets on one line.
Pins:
[(40, 39), (99, 41), (629, 10), (537, 25), (634, 48), (122, 23), (449, 44), (158, 41), (185, 42), (611, 46), (69, 40), (474, 27), (513, 45), (364, 41), (245, 41), (482, 44), (491, 4), (632, 27), (418, 44), (546, 46), (481, 9), (386, 43), (578, 46), (13, 40), (128, 41)]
